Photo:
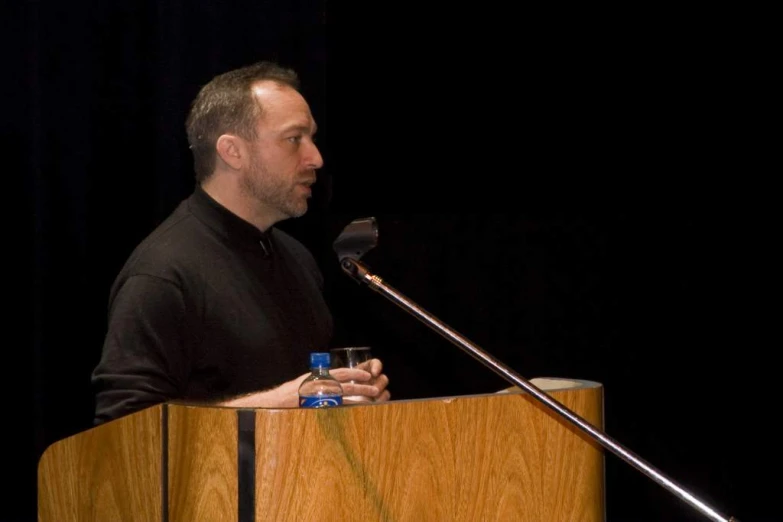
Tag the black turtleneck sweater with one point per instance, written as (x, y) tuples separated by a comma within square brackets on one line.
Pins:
[(206, 308)]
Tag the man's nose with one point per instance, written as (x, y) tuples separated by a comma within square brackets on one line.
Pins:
[(314, 159)]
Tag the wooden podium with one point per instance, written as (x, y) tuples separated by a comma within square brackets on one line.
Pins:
[(494, 457)]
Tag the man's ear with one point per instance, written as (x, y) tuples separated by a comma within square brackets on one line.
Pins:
[(232, 150)]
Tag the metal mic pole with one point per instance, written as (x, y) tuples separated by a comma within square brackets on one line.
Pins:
[(360, 273)]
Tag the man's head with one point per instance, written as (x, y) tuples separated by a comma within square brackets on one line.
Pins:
[(252, 133), (226, 105)]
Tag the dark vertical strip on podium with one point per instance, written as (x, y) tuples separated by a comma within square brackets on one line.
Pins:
[(247, 465), (164, 464)]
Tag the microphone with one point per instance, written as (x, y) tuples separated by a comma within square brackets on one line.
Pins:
[(357, 238)]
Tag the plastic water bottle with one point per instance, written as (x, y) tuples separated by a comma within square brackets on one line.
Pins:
[(320, 389)]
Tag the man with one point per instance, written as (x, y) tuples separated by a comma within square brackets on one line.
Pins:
[(217, 305)]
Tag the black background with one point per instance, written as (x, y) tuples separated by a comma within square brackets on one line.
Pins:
[(568, 189)]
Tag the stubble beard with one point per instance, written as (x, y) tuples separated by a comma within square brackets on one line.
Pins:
[(273, 192)]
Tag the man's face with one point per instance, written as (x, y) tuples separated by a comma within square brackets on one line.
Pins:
[(283, 158)]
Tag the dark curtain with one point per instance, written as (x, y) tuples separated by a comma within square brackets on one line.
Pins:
[(551, 186)]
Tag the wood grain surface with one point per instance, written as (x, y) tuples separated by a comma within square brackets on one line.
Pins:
[(483, 458), (499, 457), (203, 482), (108, 473)]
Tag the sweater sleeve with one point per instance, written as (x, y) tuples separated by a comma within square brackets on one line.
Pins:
[(143, 361)]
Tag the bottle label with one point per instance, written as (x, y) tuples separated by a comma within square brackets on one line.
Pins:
[(323, 401)]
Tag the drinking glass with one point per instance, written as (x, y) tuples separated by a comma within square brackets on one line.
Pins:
[(350, 357)]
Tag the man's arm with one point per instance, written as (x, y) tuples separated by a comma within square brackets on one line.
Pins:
[(143, 361), (369, 382)]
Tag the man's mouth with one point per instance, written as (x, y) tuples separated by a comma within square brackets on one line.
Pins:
[(305, 185)]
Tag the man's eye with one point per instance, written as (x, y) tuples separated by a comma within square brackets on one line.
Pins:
[(295, 139)]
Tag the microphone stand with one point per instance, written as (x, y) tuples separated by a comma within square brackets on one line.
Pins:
[(360, 273)]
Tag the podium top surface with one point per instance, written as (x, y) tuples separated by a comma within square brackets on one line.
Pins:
[(546, 384), (559, 383)]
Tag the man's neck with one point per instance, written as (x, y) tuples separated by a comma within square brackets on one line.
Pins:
[(236, 201)]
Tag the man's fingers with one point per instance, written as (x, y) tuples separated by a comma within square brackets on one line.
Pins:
[(360, 389), (381, 382), (374, 366), (357, 399), (350, 374), (366, 390), (358, 381)]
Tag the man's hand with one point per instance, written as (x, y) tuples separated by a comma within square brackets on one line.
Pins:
[(363, 383), (368, 378)]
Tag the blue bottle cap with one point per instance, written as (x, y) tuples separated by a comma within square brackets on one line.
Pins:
[(319, 360)]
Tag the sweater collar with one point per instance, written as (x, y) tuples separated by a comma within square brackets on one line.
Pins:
[(228, 224)]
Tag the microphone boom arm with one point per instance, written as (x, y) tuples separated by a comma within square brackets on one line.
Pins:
[(358, 271)]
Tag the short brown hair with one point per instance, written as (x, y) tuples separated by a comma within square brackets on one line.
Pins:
[(226, 104)]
